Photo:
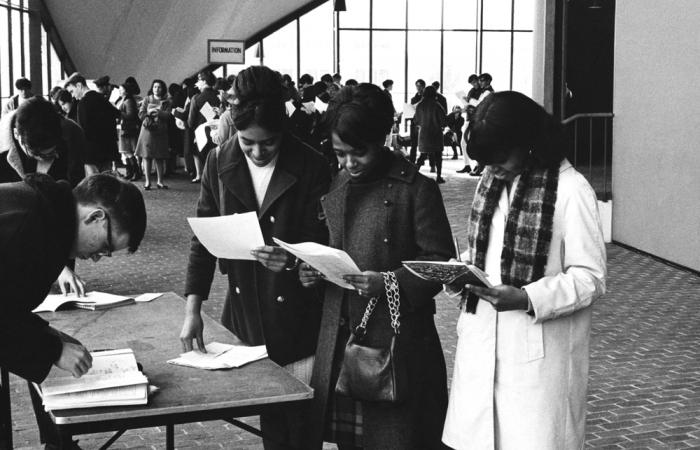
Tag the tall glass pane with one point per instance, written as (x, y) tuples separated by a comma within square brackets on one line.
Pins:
[(316, 29), (57, 74), (496, 58), (461, 14), (424, 14), (46, 82), (522, 62), (497, 14), (388, 62), (524, 14), (423, 58), (16, 48), (25, 31), (389, 14), (356, 16), (460, 62), (354, 55), (280, 50), (5, 75)]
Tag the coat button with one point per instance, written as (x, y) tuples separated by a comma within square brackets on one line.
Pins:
[(280, 299), (403, 172), (238, 291), (386, 240), (387, 203), (390, 185), (272, 219), (323, 198)]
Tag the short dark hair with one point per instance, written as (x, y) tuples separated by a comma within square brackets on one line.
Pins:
[(351, 82), (473, 77), (53, 93), (133, 86), (207, 77), (259, 99), (360, 115), (122, 200), (64, 96), (306, 79), (387, 83), (102, 81), (435, 84), (337, 77), (430, 92), (486, 77), (508, 121), (327, 78), (420, 81), (38, 123), (74, 79), (23, 84)]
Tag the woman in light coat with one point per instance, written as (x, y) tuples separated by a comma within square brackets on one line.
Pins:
[(521, 365)]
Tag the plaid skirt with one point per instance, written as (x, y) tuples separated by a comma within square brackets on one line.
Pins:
[(344, 419)]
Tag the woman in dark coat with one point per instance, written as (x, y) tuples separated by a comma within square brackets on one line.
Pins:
[(153, 142), (381, 211), (430, 118), (263, 168)]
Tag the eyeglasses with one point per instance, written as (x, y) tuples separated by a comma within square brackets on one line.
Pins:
[(109, 247), (43, 154)]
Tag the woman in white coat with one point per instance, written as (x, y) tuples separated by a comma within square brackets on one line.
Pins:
[(521, 366)]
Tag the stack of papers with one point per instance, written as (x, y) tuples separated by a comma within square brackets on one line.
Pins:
[(92, 301), (221, 356), (113, 380)]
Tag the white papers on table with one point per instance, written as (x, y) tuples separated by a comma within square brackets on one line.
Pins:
[(200, 133), (320, 106), (229, 237), (333, 263), (91, 300), (409, 111), (221, 356), (147, 297), (290, 108), (208, 112)]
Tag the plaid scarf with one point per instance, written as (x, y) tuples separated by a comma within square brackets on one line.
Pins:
[(528, 231)]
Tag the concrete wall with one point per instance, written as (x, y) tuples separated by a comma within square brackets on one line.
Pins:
[(656, 148)]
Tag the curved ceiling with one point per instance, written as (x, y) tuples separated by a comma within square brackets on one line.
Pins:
[(151, 39)]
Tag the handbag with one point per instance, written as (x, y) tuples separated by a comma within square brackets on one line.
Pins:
[(374, 374)]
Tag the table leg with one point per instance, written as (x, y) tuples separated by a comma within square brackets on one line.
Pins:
[(169, 436)]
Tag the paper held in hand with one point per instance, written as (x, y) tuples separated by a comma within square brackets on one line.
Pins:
[(221, 356), (229, 237), (447, 272), (113, 380), (333, 263)]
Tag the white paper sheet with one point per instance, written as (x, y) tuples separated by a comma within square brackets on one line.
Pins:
[(208, 112), (308, 107), (290, 108), (461, 95), (320, 106), (408, 111), (230, 237), (333, 263), (114, 96), (200, 133), (147, 297), (54, 301), (221, 356)]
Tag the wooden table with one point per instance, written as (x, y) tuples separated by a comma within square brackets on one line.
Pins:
[(186, 394)]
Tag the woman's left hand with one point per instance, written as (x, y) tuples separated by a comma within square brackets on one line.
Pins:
[(502, 297), (368, 283), (272, 257)]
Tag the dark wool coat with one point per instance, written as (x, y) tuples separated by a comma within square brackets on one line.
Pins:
[(98, 119), (263, 307), (399, 217), (430, 117), (37, 230)]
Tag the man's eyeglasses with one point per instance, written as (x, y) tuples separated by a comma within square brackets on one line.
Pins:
[(36, 153), (109, 248)]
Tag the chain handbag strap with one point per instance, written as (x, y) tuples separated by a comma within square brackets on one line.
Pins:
[(391, 287)]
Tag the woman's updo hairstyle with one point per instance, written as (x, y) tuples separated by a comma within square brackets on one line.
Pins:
[(509, 121), (360, 115), (259, 99)]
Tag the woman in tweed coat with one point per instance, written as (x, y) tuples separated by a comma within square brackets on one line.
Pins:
[(381, 211)]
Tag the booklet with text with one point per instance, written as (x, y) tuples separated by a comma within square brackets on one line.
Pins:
[(447, 272)]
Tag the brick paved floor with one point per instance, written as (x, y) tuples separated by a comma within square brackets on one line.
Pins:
[(644, 389)]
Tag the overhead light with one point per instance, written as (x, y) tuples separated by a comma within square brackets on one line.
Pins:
[(595, 4), (339, 5)]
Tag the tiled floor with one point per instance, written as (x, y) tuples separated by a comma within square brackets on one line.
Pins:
[(644, 389)]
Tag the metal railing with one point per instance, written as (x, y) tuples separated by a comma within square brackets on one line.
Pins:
[(592, 131)]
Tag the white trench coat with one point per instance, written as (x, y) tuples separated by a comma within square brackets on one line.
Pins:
[(519, 381)]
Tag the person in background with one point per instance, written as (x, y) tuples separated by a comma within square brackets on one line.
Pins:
[(471, 100), (485, 87), (420, 86), (153, 140), (129, 128), (521, 365), (104, 87), (388, 86), (337, 80), (207, 94), (135, 90), (181, 115), (176, 132), (98, 119), (351, 82), (442, 101), (265, 169), (455, 122), (68, 105), (407, 222), (53, 97), (43, 224), (227, 128), (430, 121), (24, 86)]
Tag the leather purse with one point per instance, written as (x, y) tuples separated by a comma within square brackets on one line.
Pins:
[(369, 373)]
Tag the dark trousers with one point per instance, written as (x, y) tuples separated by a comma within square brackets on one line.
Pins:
[(283, 428)]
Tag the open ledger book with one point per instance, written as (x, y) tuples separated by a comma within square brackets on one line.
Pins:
[(448, 272), (113, 380), (93, 301)]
